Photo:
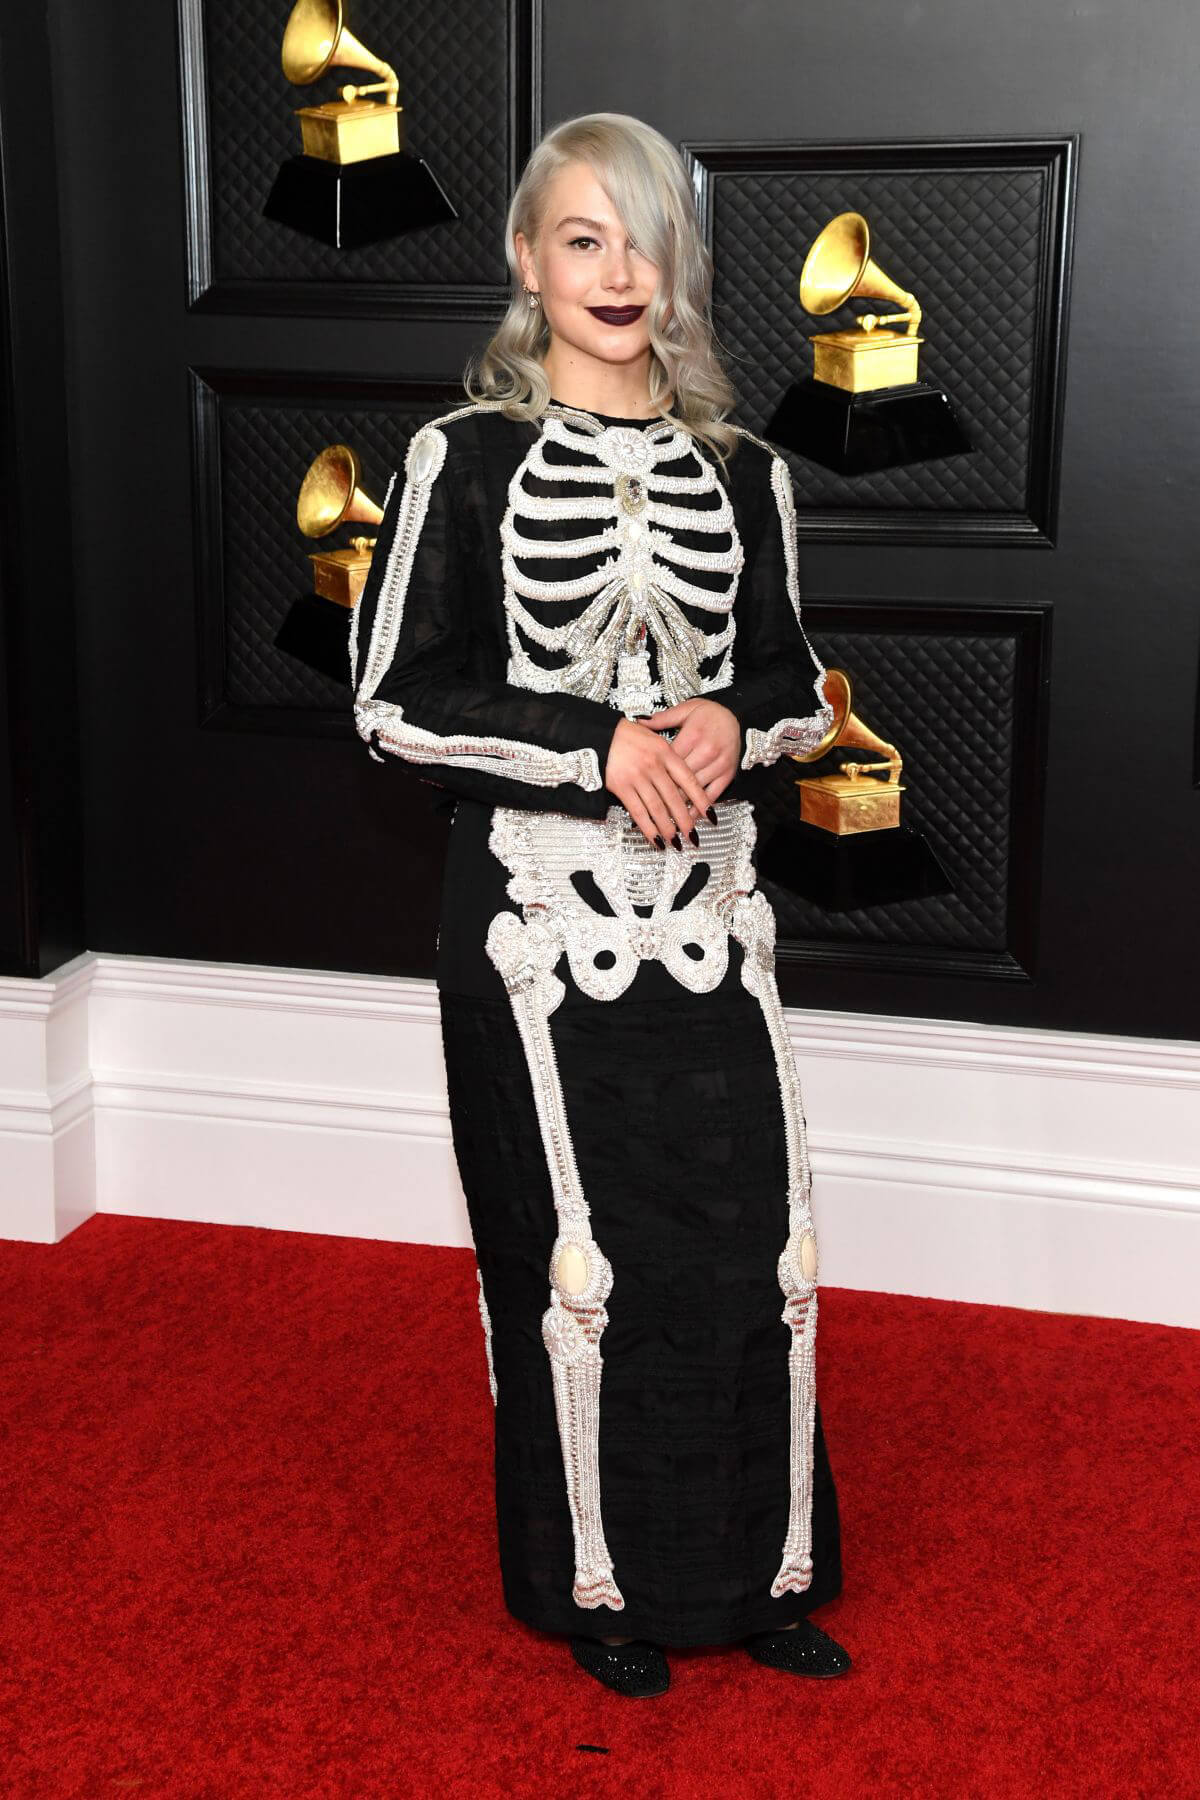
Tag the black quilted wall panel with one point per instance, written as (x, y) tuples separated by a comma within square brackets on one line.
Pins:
[(980, 233), (255, 438), (467, 87), (955, 689)]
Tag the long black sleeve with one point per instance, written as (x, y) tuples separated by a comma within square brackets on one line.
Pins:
[(777, 692), (423, 656)]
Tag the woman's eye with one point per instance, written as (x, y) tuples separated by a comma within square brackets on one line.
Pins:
[(571, 243)]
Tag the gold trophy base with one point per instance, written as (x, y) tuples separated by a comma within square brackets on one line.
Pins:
[(844, 804), (340, 575), (861, 361), (350, 131)]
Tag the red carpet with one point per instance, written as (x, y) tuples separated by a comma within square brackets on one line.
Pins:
[(249, 1548)]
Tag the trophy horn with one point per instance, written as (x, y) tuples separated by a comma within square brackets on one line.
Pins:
[(839, 267), (316, 38), (332, 494)]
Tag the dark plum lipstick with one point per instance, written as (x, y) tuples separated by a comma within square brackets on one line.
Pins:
[(617, 315)]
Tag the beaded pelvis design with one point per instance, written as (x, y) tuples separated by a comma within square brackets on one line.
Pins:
[(597, 892), (610, 899)]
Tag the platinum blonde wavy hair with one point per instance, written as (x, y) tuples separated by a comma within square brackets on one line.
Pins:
[(644, 177)]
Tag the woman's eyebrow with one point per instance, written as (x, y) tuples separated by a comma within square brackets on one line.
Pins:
[(595, 224)]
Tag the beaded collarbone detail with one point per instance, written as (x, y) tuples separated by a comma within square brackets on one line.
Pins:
[(635, 585)]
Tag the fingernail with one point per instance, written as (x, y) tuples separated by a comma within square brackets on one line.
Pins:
[(659, 841), (712, 815), (675, 843), (694, 838)]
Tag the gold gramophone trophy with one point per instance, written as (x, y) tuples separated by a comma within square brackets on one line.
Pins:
[(849, 799), (354, 182), (849, 847), (317, 627), (865, 407)]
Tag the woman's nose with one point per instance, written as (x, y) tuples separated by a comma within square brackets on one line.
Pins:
[(619, 276)]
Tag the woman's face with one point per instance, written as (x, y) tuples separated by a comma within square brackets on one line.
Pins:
[(584, 266)]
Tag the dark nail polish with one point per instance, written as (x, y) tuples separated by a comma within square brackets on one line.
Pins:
[(659, 841), (695, 840), (675, 843), (712, 815)]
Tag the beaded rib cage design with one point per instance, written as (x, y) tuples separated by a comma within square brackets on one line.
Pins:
[(631, 599)]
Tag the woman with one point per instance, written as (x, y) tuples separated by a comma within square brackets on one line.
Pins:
[(550, 631)]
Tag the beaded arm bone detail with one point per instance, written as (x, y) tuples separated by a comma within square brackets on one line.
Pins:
[(384, 719), (795, 735)]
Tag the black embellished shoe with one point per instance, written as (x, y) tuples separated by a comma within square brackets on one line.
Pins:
[(802, 1650), (638, 1669)]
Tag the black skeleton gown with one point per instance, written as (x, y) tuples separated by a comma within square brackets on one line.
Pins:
[(625, 1109)]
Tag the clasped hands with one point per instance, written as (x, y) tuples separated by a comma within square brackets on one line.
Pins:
[(663, 786)]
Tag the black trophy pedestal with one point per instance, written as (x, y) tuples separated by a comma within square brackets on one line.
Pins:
[(864, 868), (351, 204), (316, 632), (855, 434)]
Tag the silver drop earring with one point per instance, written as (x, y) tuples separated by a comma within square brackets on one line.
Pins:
[(533, 299)]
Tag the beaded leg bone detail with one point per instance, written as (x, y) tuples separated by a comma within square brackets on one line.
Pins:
[(800, 1313), (580, 1274), (571, 1330), (752, 922), (486, 1320)]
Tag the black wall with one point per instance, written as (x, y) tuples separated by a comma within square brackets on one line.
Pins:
[(42, 882), (264, 833)]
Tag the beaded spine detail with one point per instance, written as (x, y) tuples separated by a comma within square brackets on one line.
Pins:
[(800, 734), (385, 720), (542, 852), (635, 585)]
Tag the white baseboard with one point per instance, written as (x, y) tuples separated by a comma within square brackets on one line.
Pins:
[(1044, 1169)]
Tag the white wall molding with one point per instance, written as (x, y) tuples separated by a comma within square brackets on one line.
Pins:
[(1045, 1169), (47, 1146)]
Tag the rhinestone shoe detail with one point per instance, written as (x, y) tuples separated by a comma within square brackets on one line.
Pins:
[(803, 1650), (637, 1669)]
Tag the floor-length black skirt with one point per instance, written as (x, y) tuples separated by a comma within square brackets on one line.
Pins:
[(677, 1119)]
